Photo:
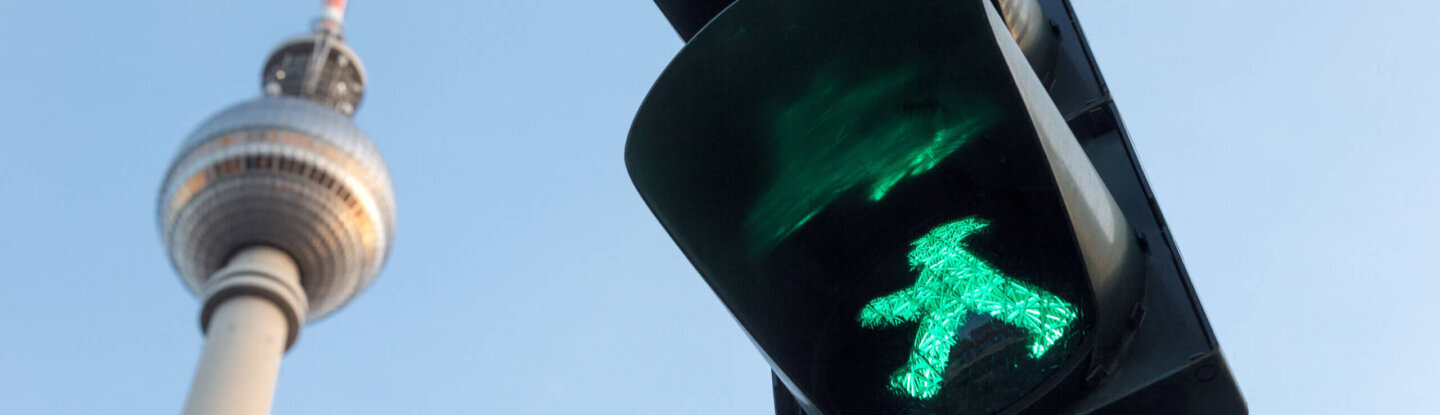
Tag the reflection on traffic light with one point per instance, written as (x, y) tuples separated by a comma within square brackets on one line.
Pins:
[(842, 135), (954, 283)]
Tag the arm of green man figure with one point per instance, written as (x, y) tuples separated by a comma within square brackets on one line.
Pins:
[(891, 310)]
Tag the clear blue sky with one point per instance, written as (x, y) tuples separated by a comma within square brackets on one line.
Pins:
[(1291, 145)]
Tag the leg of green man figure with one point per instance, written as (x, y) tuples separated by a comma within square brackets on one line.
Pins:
[(1042, 315), (921, 375)]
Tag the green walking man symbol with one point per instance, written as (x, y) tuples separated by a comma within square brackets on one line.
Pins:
[(954, 283)]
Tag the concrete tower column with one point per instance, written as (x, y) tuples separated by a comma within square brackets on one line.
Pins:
[(253, 311)]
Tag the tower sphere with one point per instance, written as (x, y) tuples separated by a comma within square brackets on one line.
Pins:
[(319, 67), (283, 172)]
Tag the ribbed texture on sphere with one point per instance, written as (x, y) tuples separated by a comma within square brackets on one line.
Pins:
[(287, 173)]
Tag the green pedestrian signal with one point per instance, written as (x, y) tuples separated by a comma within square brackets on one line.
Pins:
[(953, 284), (893, 200), (886, 199)]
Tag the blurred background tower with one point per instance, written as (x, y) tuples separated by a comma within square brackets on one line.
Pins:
[(276, 211)]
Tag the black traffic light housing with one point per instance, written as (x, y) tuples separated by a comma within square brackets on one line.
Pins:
[(1172, 363)]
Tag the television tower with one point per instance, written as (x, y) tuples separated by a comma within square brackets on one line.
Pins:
[(276, 211)]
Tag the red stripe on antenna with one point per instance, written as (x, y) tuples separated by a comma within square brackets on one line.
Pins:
[(332, 15)]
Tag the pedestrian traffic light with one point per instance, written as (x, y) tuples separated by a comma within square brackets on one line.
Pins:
[(888, 201)]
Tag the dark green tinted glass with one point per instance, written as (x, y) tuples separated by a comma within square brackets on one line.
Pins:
[(860, 183)]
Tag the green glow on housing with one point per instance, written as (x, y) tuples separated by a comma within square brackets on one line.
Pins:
[(941, 145), (842, 135), (953, 283)]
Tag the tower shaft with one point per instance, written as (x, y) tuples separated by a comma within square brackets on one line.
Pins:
[(247, 333)]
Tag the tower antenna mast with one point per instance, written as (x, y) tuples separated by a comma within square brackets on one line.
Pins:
[(332, 16)]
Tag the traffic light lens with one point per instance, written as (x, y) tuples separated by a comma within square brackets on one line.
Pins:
[(954, 284)]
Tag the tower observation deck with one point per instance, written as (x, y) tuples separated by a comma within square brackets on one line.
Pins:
[(276, 211)]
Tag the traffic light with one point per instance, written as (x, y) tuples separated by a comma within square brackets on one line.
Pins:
[(889, 201)]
